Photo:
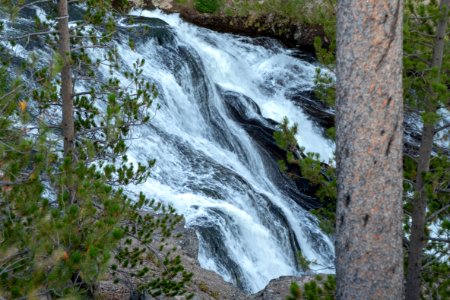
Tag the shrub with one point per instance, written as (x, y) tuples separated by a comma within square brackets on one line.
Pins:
[(207, 6)]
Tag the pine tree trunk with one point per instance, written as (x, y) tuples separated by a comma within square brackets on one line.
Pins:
[(417, 242), (66, 78), (369, 255), (66, 93), (414, 282)]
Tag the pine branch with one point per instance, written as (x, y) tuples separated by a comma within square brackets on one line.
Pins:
[(443, 127), (29, 35), (32, 3), (436, 213), (11, 183), (439, 240)]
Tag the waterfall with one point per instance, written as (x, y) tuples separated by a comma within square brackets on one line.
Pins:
[(227, 187), (218, 93)]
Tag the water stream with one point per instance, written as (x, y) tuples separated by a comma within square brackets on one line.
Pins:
[(217, 93)]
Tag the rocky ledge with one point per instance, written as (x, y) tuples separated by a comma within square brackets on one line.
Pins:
[(205, 284), (291, 34)]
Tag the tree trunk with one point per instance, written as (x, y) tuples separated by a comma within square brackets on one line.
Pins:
[(66, 79), (413, 281), (369, 256), (66, 93), (417, 242)]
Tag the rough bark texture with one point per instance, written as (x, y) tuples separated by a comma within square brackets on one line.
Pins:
[(417, 242), (369, 118), (66, 78)]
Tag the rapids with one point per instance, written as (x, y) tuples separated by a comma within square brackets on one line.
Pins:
[(220, 95)]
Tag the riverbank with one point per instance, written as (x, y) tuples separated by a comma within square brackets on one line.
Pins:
[(205, 284), (299, 32)]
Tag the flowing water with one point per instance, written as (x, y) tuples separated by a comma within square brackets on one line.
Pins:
[(214, 91)]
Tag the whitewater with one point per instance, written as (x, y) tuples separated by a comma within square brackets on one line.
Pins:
[(210, 169), (220, 96)]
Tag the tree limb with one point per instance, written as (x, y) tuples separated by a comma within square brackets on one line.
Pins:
[(28, 35), (32, 3), (442, 128), (10, 183), (439, 240), (436, 213)]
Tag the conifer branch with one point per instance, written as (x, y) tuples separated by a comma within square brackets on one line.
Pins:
[(436, 213), (443, 127), (439, 240)]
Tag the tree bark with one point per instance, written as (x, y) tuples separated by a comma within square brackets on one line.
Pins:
[(369, 118), (66, 79), (414, 281), (418, 216), (68, 124)]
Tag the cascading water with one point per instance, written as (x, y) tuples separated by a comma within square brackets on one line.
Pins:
[(210, 168), (217, 93)]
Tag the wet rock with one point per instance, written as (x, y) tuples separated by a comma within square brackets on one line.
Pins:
[(316, 110), (279, 288), (261, 129)]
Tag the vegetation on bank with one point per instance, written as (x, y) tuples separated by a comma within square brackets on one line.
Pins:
[(67, 220), (310, 12), (319, 288)]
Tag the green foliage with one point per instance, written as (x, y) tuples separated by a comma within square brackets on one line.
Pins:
[(320, 289), (324, 88), (207, 6), (426, 92), (426, 88), (296, 292), (310, 167), (285, 137), (317, 289), (303, 262), (325, 52), (302, 11), (51, 244)]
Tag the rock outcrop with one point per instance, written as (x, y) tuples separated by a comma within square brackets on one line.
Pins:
[(279, 288), (292, 34), (205, 284)]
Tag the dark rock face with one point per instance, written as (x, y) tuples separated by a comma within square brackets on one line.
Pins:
[(244, 110), (279, 288), (150, 28), (316, 110), (293, 35)]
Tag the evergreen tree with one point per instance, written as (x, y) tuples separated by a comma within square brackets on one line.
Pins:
[(66, 219), (426, 59), (426, 192), (425, 171)]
